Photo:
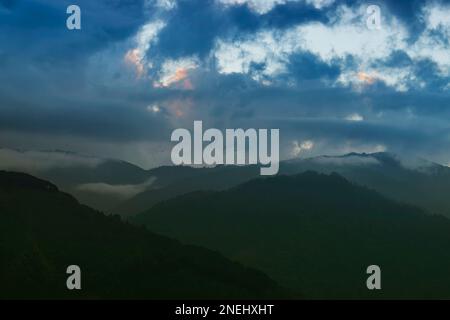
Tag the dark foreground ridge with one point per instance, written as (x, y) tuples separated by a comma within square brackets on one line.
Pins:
[(43, 231)]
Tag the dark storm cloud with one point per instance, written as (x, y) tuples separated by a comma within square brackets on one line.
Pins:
[(45, 86), (38, 27), (90, 117), (38, 50), (61, 82), (192, 28), (194, 25), (397, 58), (307, 66), (243, 98)]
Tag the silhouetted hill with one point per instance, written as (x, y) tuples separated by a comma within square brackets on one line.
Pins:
[(317, 233), (10, 181), (43, 231)]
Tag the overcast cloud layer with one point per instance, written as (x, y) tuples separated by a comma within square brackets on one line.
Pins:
[(138, 69)]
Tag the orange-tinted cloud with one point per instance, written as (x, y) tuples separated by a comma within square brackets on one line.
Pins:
[(180, 107), (179, 78), (133, 58), (366, 78)]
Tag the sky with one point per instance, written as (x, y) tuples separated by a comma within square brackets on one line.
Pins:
[(137, 70)]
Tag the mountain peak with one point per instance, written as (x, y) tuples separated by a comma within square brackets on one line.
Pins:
[(304, 180)]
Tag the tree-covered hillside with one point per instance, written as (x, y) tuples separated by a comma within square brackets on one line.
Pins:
[(43, 231)]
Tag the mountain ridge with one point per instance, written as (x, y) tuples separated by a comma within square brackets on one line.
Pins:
[(119, 187), (317, 232), (43, 231), (383, 172)]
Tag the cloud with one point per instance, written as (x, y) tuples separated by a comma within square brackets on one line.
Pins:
[(176, 73), (329, 43), (244, 56), (264, 6), (164, 4), (39, 161), (354, 117), (265, 55), (144, 39), (121, 191), (433, 43), (298, 147), (349, 160), (139, 69), (154, 108)]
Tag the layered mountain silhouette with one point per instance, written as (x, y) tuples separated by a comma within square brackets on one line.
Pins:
[(103, 186), (413, 181), (410, 180), (184, 180), (43, 231), (316, 233), (98, 182), (119, 187)]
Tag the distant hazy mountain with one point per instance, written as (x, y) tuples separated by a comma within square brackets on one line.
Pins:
[(43, 231), (100, 183), (107, 184), (411, 180), (414, 181), (184, 180), (120, 187), (317, 233)]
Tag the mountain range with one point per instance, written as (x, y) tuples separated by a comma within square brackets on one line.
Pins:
[(315, 233), (119, 187), (414, 181), (43, 231)]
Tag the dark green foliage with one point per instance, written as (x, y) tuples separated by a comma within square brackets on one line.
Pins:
[(42, 231), (316, 234)]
